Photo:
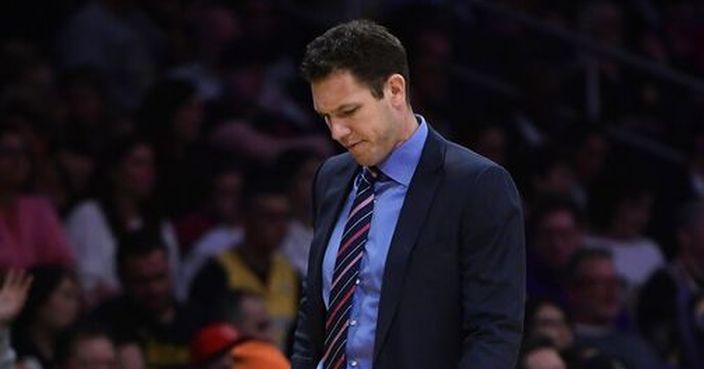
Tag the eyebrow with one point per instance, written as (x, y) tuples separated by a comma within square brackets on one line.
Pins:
[(342, 107)]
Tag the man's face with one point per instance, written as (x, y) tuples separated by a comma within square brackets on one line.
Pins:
[(598, 292), (558, 237), (147, 281), (367, 127), (267, 220), (93, 353)]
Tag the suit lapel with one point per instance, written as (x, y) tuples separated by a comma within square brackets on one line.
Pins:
[(331, 203), (413, 214)]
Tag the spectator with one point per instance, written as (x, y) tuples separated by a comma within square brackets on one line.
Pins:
[(30, 231), (256, 265), (557, 233), (623, 209), (247, 312), (53, 305), (671, 306), (125, 203), (213, 229), (595, 299), (147, 311), (171, 117)]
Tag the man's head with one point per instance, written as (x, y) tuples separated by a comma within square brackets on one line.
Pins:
[(85, 347), (594, 291), (267, 211), (144, 271), (247, 312), (557, 232), (360, 81)]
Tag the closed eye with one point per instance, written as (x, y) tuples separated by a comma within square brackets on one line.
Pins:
[(349, 112)]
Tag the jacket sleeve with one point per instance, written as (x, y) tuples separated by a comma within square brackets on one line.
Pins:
[(493, 272)]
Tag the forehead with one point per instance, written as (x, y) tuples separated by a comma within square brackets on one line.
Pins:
[(338, 89)]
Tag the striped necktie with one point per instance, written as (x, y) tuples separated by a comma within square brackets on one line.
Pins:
[(347, 261)]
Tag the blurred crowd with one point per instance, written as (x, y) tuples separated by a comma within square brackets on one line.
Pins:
[(156, 159)]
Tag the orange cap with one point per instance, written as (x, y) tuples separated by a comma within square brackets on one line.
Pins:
[(213, 340), (259, 355)]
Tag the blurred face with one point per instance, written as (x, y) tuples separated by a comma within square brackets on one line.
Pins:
[(93, 353), (558, 180), (135, 175), (148, 282), (633, 215), (79, 168), (366, 126), (545, 358), (14, 162), (596, 298), (591, 156), (62, 307), (557, 238), (188, 120), (267, 221), (550, 322), (227, 194), (256, 322)]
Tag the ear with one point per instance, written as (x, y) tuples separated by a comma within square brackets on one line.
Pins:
[(396, 88)]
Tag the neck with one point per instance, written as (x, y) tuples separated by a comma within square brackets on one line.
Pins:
[(255, 258), (126, 205), (409, 124)]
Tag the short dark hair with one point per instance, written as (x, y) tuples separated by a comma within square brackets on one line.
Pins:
[(365, 49), (580, 257), (137, 244), (261, 183)]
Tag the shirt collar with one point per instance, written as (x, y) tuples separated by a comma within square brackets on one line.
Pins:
[(403, 160)]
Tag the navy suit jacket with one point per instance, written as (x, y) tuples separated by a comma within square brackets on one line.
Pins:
[(454, 283)]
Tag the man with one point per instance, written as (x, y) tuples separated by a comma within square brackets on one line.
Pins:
[(595, 299), (671, 304), (557, 234), (256, 265), (418, 257), (148, 313)]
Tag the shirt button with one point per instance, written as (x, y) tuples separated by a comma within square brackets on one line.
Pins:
[(353, 363), (356, 281), (353, 322)]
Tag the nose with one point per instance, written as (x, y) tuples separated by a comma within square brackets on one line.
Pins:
[(338, 130)]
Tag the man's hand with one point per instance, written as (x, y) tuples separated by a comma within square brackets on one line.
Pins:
[(13, 294)]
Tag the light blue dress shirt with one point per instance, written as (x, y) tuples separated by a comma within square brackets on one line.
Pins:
[(390, 192)]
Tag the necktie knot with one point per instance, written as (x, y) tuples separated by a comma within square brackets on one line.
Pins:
[(371, 174)]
